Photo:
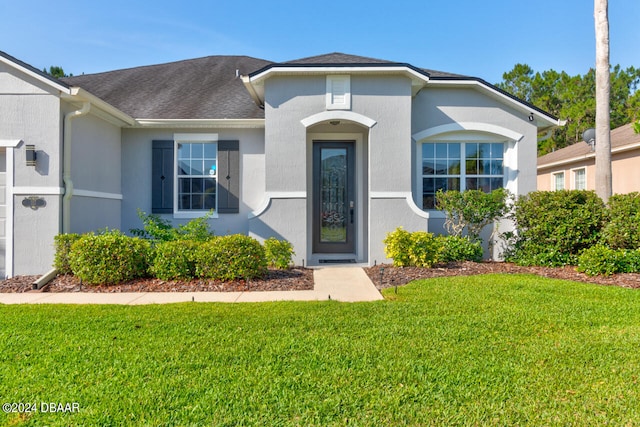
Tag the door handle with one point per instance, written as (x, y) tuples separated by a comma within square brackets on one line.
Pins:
[(351, 205)]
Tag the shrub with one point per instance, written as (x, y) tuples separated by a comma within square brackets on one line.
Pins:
[(158, 229), (472, 209), (424, 249), (623, 229), (456, 248), (418, 249), (555, 226), (62, 244), (110, 257), (599, 259), (231, 257), (279, 253), (174, 260), (396, 247)]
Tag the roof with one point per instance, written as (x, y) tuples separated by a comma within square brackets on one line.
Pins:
[(621, 137), (203, 88), (40, 75)]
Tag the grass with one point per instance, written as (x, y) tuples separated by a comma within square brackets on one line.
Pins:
[(484, 350)]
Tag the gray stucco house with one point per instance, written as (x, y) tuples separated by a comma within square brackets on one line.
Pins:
[(330, 152)]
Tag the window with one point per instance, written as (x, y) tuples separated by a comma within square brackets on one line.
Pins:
[(460, 166), (580, 179), (557, 181), (338, 92), (197, 175)]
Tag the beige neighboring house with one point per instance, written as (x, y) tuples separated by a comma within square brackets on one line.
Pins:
[(573, 167)]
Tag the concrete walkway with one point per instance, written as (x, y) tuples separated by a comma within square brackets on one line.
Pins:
[(348, 284)]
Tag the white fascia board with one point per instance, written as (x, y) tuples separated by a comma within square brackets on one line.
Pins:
[(59, 87), (336, 70), (501, 96), (201, 123), (110, 112)]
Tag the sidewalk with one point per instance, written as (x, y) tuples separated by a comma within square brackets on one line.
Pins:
[(347, 284)]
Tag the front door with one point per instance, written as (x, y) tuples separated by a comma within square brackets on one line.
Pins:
[(333, 197)]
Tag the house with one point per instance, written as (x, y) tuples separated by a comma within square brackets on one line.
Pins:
[(573, 167), (329, 152)]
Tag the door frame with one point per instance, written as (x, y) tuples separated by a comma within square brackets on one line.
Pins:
[(362, 202), (349, 245)]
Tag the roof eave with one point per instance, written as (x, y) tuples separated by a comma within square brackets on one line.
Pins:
[(200, 123), (33, 72), (110, 113)]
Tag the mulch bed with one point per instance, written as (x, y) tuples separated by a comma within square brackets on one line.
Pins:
[(396, 276), (302, 279), (296, 279)]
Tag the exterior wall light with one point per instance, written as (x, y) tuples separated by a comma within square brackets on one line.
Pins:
[(31, 155)]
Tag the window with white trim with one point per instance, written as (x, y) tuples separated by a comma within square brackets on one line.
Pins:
[(460, 166), (338, 92), (196, 175), (580, 179), (557, 180)]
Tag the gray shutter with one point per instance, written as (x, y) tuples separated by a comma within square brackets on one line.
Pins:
[(162, 177), (228, 177)]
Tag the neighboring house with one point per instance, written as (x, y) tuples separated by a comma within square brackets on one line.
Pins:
[(329, 152), (573, 167)]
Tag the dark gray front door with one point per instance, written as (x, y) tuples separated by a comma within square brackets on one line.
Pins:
[(333, 197)]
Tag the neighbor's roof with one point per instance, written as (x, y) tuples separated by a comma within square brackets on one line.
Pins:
[(203, 88), (621, 137)]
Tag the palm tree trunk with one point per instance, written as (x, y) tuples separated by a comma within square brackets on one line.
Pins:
[(603, 127)]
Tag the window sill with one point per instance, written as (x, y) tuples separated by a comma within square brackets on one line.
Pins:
[(193, 214)]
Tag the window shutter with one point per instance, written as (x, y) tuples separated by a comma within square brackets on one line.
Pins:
[(228, 177), (162, 177)]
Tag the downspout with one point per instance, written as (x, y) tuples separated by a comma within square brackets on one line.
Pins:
[(66, 165)]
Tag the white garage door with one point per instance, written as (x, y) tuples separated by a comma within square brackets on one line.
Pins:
[(3, 211)]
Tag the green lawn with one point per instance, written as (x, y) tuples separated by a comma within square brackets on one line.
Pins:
[(485, 350)]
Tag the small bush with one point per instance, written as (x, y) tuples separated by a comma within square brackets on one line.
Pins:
[(623, 229), (396, 247), (456, 248), (418, 249), (174, 260), (599, 259), (110, 257), (231, 257), (555, 226), (279, 253), (62, 244)]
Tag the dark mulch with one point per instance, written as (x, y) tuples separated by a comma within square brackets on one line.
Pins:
[(396, 276), (297, 279), (302, 279)]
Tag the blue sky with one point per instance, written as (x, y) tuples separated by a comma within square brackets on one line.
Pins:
[(471, 37)]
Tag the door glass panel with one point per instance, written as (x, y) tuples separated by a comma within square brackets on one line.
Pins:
[(333, 195)]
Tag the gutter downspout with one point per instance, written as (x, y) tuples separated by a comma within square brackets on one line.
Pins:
[(66, 166)]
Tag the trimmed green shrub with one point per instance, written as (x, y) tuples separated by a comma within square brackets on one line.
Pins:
[(158, 229), (110, 257), (231, 257), (555, 226), (623, 229), (419, 249), (424, 249), (472, 210), (396, 247), (279, 253), (174, 260), (62, 244), (599, 260), (456, 248)]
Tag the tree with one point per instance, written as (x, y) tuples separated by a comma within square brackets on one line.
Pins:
[(603, 91), (56, 72)]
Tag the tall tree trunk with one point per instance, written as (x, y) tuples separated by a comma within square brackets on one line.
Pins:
[(603, 88)]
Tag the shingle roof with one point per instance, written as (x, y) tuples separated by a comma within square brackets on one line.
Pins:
[(624, 135), (203, 88)]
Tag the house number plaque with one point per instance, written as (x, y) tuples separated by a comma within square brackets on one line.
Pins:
[(34, 202)]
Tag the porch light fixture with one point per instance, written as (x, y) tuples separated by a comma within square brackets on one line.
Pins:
[(531, 117), (334, 122), (31, 155), (589, 136)]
